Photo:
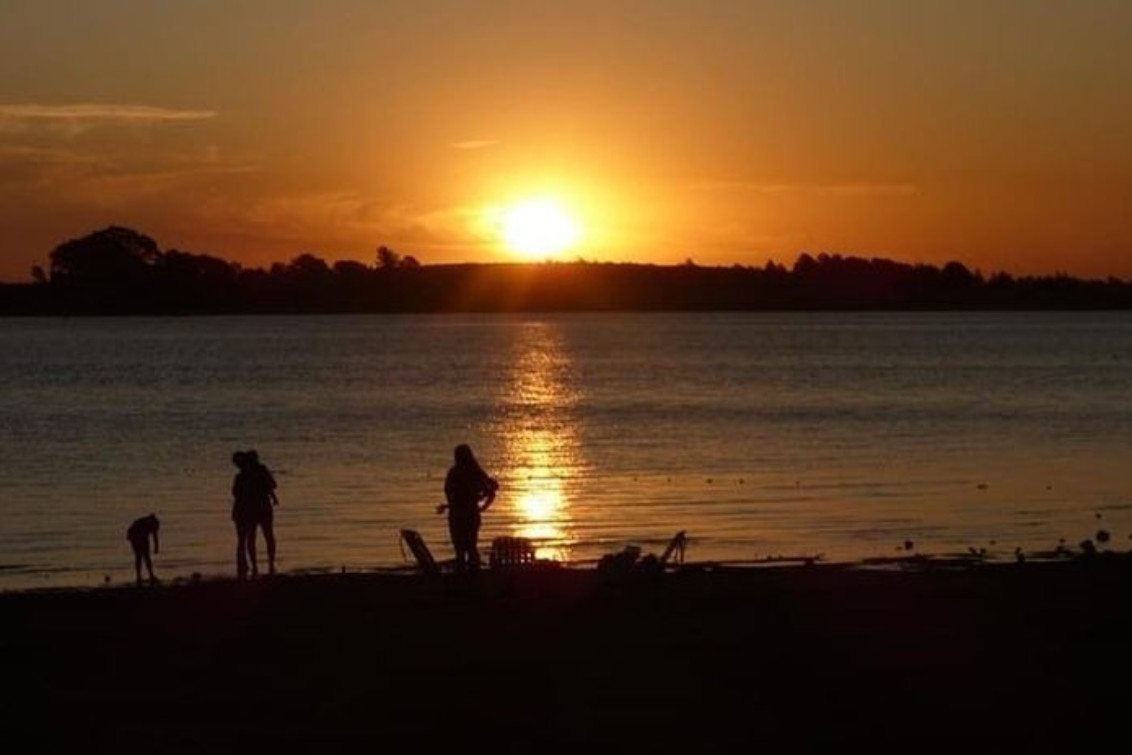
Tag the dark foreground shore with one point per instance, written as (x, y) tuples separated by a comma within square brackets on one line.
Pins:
[(1009, 658)]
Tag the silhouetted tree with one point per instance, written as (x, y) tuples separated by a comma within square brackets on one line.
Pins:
[(351, 269), (308, 267), (307, 283), (197, 282), (387, 259), (957, 274), (106, 271), (109, 256)]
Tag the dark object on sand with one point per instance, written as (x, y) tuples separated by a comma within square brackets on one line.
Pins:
[(425, 562), (1088, 548), (510, 552), (619, 563), (627, 560), (1103, 536), (675, 550)]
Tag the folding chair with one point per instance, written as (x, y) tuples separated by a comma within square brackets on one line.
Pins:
[(425, 562), (510, 552)]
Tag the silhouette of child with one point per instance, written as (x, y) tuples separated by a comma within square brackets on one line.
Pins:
[(138, 534), (464, 488)]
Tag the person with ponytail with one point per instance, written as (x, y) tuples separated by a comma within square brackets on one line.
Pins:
[(468, 491)]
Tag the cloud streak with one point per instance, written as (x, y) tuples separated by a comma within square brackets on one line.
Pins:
[(473, 144), (844, 189), (100, 112), (73, 120), (63, 174), (345, 220)]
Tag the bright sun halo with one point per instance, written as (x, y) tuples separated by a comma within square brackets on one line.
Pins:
[(538, 228)]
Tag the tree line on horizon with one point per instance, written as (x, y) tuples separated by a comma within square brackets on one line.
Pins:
[(119, 271)]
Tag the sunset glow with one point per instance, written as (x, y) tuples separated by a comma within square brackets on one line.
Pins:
[(734, 132)]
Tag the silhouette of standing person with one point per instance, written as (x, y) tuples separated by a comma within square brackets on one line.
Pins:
[(139, 533), (244, 513), (464, 488), (253, 500), (266, 501)]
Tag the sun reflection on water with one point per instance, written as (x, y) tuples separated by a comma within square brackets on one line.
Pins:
[(542, 454), (541, 507)]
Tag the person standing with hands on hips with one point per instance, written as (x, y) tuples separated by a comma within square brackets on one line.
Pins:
[(469, 491)]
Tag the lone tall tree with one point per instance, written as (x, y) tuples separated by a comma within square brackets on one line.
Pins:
[(109, 271), (113, 257), (387, 259)]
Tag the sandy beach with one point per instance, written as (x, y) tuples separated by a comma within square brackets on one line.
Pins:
[(1005, 657)]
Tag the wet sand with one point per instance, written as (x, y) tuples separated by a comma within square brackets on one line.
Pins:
[(1005, 657)]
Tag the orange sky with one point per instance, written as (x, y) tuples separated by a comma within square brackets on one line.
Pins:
[(991, 131)]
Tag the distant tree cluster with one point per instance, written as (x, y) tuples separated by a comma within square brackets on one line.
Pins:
[(121, 271)]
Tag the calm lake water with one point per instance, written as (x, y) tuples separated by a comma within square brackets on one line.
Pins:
[(834, 435)]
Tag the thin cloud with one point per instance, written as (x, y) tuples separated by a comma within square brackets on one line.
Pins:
[(76, 177), (73, 120), (45, 167), (93, 112), (342, 220), (115, 189), (842, 189), (473, 144)]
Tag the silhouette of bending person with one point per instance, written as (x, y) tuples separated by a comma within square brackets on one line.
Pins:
[(138, 534), (253, 496), (464, 488)]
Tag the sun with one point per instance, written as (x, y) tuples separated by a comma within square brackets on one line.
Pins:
[(538, 228)]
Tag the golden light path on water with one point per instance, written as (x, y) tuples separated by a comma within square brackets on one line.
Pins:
[(541, 449)]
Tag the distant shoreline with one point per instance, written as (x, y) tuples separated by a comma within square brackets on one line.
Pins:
[(119, 271), (31, 315)]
